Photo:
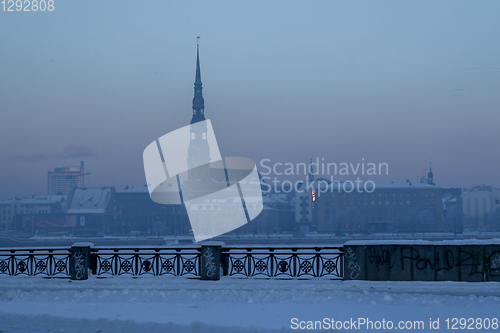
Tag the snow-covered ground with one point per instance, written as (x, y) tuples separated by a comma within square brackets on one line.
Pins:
[(177, 304)]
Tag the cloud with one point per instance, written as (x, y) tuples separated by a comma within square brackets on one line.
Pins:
[(68, 152)]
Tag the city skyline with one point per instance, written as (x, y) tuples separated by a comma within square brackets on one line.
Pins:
[(403, 84)]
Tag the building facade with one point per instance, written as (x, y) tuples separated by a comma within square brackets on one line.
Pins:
[(19, 213), (92, 208), (386, 207), (479, 204), (135, 212), (62, 180)]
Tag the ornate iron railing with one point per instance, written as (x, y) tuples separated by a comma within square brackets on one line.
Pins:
[(48, 262), (268, 262), (283, 262), (145, 261)]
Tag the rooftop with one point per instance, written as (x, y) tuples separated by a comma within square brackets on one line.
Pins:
[(90, 200)]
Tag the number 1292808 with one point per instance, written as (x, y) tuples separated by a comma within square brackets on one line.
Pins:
[(27, 5)]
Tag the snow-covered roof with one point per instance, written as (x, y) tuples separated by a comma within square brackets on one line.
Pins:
[(369, 186), (36, 200), (494, 241), (139, 189), (280, 198), (90, 200)]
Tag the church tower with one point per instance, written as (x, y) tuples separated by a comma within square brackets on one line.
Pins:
[(198, 151), (430, 176), (198, 101)]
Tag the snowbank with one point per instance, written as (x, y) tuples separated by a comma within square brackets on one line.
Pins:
[(163, 304)]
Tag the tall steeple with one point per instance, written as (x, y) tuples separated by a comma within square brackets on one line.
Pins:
[(198, 101), (430, 176), (198, 150)]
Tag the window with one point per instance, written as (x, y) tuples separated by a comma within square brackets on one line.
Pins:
[(408, 202), (192, 136)]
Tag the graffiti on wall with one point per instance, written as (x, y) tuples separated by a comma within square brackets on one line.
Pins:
[(352, 264), (467, 262)]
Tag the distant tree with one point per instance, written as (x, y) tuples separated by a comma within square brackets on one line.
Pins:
[(336, 221), (425, 220), (400, 222), (471, 222), (353, 218), (411, 221), (454, 220), (494, 220), (346, 220)]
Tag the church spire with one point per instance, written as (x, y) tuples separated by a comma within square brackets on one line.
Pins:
[(198, 101), (430, 176), (197, 81)]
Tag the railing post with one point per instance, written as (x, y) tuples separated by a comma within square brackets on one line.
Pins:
[(178, 262), (271, 261), (30, 267), (249, 263), (93, 263), (341, 259), (225, 262), (318, 266), (294, 271), (157, 262), (116, 262), (50, 269), (79, 261), (135, 270), (211, 260)]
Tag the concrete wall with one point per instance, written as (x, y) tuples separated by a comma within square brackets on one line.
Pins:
[(422, 261)]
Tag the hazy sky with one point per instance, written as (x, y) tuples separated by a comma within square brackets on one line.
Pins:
[(400, 82)]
